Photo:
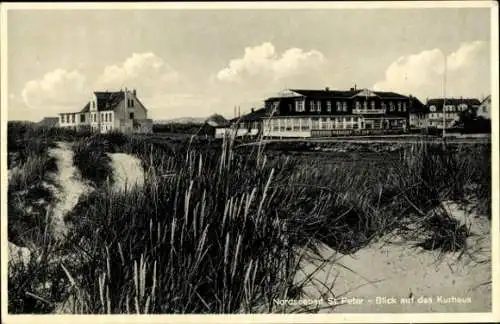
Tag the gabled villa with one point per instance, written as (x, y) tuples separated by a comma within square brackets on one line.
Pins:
[(110, 111)]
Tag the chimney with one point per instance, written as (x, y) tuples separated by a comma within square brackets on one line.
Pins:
[(327, 89), (352, 89), (253, 109), (355, 87)]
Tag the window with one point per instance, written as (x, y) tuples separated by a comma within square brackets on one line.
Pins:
[(358, 105), (404, 106), (339, 106), (432, 108), (391, 106), (282, 125), (73, 118), (365, 105), (329, 106), (305, 124), (131, 102), (299, 105), (131, 115), (344, 106), (372, 105), (384, 106), (318, 106), (82, 118), (399, 105), (312, 106)]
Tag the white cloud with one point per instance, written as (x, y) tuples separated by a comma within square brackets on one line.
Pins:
[(62, 90), (262, 72), (263, 63), (421, 74), (55, 89), (146, 72)]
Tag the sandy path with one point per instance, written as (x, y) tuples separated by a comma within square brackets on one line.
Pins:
[(70, 187), (127, 171), (400, 271)]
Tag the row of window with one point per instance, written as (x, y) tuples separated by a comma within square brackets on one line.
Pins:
[(450, 108), (440, 115), (298, 121), (105, 116), (315, 106), (68, 118), (298, 124)]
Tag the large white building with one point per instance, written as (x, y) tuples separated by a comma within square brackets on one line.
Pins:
[(110, 111)]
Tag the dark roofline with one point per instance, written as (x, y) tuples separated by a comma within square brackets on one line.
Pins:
[(252, 116), (337, 94)]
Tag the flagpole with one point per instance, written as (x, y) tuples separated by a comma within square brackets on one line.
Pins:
[(444, 95)]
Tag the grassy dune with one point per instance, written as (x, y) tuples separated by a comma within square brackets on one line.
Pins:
[(216, 229)]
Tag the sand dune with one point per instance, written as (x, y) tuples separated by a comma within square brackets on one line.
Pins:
[(376, 278), (69, 186), (127, 171)]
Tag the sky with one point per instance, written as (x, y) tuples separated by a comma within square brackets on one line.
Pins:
[(194, 63)]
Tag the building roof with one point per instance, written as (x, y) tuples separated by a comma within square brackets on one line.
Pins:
[(49, 121), (486, 100), (438, 102), (216, 120), (416, 106), (252, 116), (106, 101), (341, 93)]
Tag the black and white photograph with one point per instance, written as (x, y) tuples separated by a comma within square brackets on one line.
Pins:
[(330, 159)]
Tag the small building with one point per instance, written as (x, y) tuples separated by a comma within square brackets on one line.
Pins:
[(246, 125), (484, 108), (120, 111), (49, 122), (418, 114), (448, 109)]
